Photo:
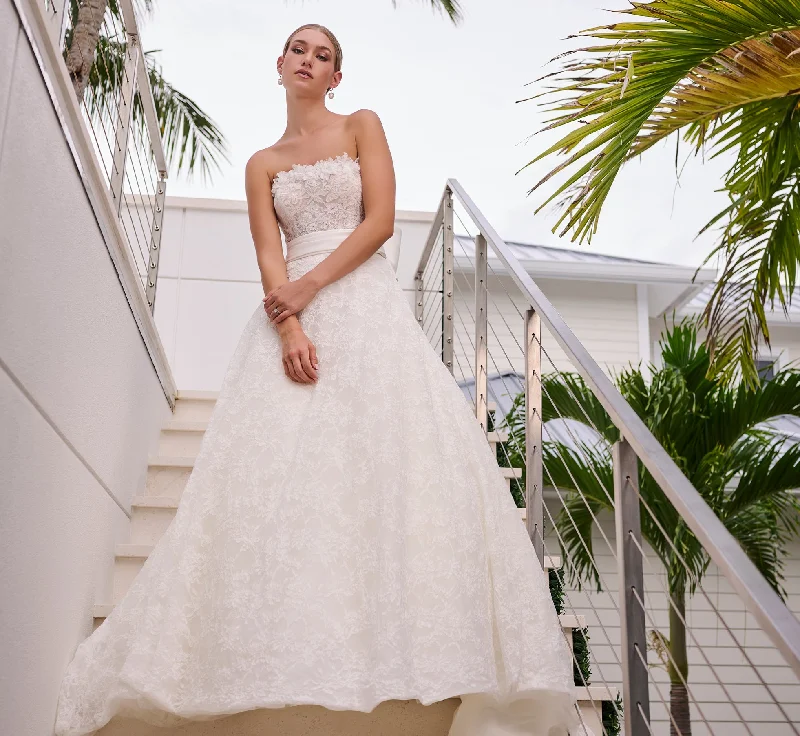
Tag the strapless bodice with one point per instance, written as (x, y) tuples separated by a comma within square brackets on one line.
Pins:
[(325, 195)]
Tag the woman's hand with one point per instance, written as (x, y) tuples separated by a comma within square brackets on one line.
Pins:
[(299, 356), (289, 298)]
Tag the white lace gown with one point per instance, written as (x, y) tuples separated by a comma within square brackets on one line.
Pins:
[(339, 543)]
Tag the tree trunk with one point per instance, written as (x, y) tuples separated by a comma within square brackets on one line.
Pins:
[(681, 723), (82, 50)]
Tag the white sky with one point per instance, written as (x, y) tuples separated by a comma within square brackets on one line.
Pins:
[(447, 97)]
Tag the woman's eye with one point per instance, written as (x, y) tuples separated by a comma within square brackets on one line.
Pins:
[(322, 57)]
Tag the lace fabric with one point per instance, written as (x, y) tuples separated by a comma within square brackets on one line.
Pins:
[(325, 195), (339, 543)]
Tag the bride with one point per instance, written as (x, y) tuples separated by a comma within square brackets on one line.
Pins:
[(345, 537)]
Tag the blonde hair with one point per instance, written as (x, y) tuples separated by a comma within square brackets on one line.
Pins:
[(337, 49)]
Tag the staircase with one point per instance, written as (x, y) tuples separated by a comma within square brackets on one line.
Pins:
[(151, 514)]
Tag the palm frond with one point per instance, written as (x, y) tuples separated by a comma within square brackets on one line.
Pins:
[(192, 140), (584, 476), (733, 412), (621, 91), (753, 71), (759, 245), (451, 9), (769, 468), (764, 530), (566, 396), (726, 74)]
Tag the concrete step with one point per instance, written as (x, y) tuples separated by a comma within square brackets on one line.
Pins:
[(495, 437), (181, 438), (511, 472), (590, 705), (167, 479), (194, 406), (150, 517)]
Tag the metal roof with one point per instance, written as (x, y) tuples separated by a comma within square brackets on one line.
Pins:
[(699, 301), (464, 245)]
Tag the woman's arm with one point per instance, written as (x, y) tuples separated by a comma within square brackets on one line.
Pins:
[(265, 231), (378, 191)]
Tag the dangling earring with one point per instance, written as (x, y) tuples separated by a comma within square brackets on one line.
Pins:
[(280, 79), (330, 95)]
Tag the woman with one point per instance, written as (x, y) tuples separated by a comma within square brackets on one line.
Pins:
[(345, 536)]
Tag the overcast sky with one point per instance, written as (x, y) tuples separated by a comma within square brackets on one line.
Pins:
[(448, 99)]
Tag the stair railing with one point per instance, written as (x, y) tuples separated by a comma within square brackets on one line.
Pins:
[(458, 310), (122, 129)]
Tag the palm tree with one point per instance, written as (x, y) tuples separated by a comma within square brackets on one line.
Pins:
[(96, 63), (723, 76), (715, 434)]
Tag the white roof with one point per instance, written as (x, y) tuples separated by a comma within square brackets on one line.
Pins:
[(669, 285), (698, 302), (534, 252)]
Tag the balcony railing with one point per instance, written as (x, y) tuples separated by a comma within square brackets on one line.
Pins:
[(119, 112), (493, 325)]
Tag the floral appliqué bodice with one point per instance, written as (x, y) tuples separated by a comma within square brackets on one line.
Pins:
[(325, 195)]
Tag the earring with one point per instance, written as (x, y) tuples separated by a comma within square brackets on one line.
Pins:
[(280, 79), (330, 95)]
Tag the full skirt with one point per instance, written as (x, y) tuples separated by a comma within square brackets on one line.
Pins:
[(339, 543)]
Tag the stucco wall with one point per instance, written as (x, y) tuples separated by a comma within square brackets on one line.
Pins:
[(80, 403)]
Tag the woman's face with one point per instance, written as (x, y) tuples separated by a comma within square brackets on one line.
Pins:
[(307, 67)]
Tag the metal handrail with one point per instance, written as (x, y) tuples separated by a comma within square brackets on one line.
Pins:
[(136, 80), (145, 91), (776, 620)]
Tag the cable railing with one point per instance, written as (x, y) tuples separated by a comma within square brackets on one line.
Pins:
[(118, 108), (673, 612)]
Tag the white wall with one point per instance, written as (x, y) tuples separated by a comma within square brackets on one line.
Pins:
[(80, 402), (603, 317), (209, 285)]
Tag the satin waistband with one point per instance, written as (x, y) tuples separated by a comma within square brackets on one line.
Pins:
[(319, 241)]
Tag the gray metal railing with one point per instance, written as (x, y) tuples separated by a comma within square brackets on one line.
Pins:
[(120, 113), (464, 303)]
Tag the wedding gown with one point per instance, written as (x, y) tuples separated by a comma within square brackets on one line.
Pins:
[(339, 543)]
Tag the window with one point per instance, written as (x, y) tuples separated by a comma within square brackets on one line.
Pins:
[(766, 368)]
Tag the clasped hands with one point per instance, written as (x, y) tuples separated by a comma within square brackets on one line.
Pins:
[(299, 353), (289, 298)]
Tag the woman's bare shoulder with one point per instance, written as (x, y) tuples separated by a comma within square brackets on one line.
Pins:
[(365, 118), (262, 162)]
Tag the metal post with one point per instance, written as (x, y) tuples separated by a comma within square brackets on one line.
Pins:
[(481, 329), (635, 679), (419, 294), (124, 119), (534, 501), (58, 25), (155, 241), (447, 283)]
